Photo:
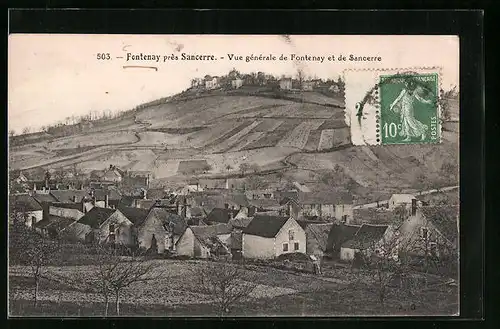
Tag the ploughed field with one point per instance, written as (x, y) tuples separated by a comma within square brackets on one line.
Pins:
[(177, 292)]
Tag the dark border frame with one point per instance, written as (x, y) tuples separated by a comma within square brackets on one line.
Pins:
[(467, 24)]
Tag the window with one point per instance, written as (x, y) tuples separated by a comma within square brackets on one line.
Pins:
[(291, 235), (296, 246), (285, 246), (111, 228), (424, 232)]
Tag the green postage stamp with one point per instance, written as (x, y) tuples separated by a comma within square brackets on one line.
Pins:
[(393, 106)]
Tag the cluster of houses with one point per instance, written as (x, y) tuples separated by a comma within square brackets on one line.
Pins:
[(204, 220), (23, 182), (235, 80)]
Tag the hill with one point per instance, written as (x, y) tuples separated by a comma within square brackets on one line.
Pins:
[(294, 132)]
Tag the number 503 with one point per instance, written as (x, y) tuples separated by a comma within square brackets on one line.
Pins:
[(391, 129), (105, 56)]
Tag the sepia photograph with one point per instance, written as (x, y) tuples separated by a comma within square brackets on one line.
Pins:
[(233, 175)]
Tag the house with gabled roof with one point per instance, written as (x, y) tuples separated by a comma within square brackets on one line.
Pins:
[(404, 200), (267, 237), (160, 227), (320, 205), (70, 196), (339, 234), (204, 241), (433, 230), (108, 226), (74, 210), (26, 208), (52, 225), (221, 215), (367, 239), (317, 238), (379, 216)]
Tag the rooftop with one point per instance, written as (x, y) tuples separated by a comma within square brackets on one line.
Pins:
[(23, 202), (221, 215), (135, 215), (168, 219), (445, 219), (54, 222), (319, 233), (68, 205), (265, 226), (375, 216), (240, 222), (96, 216), (366, 236)]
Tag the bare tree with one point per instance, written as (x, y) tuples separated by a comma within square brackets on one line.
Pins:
[(255, 182), (244, 167), (300, 75), (255, 168), (128, 272), (280, 175), (113, 273), (32, 249), (449, 171), (351, 186), (26, 130), (421, 183), (207, 168), (328, 178), (225, 284), (228, 167), (380, 262)]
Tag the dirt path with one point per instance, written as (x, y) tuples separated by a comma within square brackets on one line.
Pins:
[(87, 155)]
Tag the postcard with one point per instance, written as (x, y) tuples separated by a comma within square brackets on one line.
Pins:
[(233, 175)]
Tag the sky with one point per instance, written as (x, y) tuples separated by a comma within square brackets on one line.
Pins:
[(54, 76)]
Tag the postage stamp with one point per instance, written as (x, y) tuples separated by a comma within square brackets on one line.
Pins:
[(393, 106)]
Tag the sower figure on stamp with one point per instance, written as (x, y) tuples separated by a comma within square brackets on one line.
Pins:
[(410, 126)]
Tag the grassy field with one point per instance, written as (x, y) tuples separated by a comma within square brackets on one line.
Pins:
[(177, 293)]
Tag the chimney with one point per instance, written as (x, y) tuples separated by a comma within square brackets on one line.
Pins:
[(74, 198), (106, 201), (413, 207), (226, 206), (84, 210), (227, 184), (231, 214), (34, 186), (46, 182), (147, 180), (144, 194)]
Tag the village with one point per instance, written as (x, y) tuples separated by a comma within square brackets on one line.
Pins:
[(209, 218)]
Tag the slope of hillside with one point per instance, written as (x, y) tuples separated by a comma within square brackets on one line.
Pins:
[(303, 133)]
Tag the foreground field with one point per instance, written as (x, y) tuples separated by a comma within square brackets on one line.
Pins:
[(339, 292)]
